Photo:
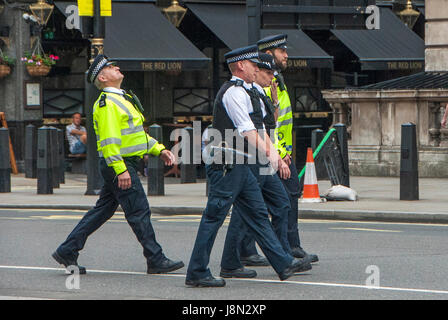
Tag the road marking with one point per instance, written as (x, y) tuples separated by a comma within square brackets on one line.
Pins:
[(365, 229), (22, 298), (309, 283), (323, 221)]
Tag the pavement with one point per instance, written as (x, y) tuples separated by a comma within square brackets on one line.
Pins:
[(378, 199)]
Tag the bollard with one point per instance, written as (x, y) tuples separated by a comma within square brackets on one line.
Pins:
[(156, 179), (187, 167), (61, 156), (30, 151), (5, 165), (316, 137), (44, 170), (341, 132), (54, 155), (408, 163)]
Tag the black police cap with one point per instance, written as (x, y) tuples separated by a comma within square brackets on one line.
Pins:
[(266, 61), (244, 53), (98, 64), (272, 42)]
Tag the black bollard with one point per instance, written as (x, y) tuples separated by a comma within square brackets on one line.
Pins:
[(44, 170), (61, 156), (54, 152), (408, 163), (187, 167), (5, 165), (316, 137), (30, 151), (341, 132), (156, 179)]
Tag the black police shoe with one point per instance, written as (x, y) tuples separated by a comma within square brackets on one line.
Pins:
[(254, 260), (298, 252), (297, 265), (68, 262), (209, 281), (166, 265), (238, 273)]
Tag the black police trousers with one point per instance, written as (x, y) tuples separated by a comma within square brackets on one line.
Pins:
[(238, 186), (292, 187), (134, 204)]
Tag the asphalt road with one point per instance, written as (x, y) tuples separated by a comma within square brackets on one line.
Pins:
[(358, 261)]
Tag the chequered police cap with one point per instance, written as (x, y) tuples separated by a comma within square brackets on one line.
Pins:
[(98, 64), (271, 42), (244, 53), (266, 61)]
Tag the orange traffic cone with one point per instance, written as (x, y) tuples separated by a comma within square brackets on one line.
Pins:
[(310, 187)]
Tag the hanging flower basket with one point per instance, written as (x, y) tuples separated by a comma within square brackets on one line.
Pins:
[(38, 71), (4, 71), (5, 64), (38, 63)]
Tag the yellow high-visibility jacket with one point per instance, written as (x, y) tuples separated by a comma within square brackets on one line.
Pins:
[(283, 130), (119, 131)]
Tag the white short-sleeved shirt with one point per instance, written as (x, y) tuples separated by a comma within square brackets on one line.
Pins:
[(261, 91), (238, 105)]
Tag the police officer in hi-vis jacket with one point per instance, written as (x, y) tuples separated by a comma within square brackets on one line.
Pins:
[(121, 143)]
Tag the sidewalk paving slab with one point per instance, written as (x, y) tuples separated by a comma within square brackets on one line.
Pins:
[(378, 199)]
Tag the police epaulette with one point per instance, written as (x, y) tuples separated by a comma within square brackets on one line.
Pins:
[(102, 102), (238, 82)]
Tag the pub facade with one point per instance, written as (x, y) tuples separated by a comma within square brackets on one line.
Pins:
[(177, 70)]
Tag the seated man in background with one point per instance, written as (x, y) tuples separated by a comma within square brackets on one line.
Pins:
[(76, 135)]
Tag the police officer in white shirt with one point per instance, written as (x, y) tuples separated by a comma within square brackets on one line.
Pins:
[(234, 183), (273, 192)]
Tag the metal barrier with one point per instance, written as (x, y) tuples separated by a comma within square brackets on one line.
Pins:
[(329, 158)]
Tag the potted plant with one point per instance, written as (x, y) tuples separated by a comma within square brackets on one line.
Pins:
[(39, 64), (5, 64)]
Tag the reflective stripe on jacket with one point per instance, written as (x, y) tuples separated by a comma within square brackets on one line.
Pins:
[(119, 131), (284, 122)]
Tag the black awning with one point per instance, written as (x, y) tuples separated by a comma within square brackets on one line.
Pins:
[(140, 38), (303, 52), (229, 23), (421, 80), (393, 47)]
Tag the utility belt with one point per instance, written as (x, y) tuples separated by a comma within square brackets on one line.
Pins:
[(133, 160), (224, 167)]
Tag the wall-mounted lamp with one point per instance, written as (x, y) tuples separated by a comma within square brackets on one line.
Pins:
[(42, 11), (175, 13), (409, 16)]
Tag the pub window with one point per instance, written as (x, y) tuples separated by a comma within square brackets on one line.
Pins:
[(63, 103), (307, 99), (192, 101)]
